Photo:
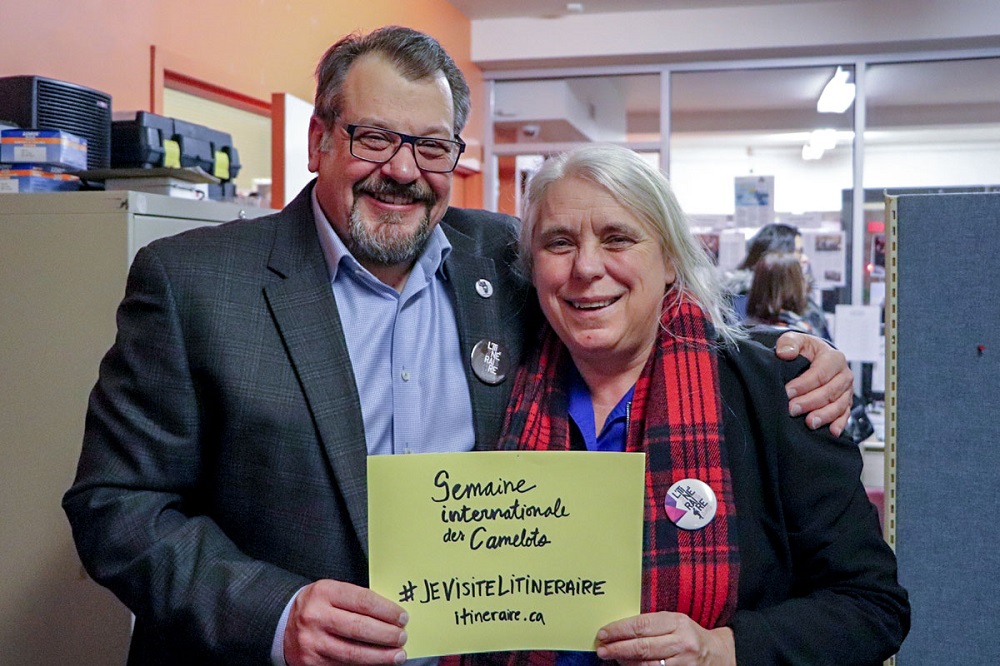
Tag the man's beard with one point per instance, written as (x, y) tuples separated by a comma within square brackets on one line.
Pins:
[(383, 242)]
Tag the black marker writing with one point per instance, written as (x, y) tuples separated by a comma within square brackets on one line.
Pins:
[(502, 586), (459, 491), (515, 511)]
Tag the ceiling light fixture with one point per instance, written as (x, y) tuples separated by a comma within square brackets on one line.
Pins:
[(838, 94), (820, 141)]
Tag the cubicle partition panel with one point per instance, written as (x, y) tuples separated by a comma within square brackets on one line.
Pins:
[(943, 425)]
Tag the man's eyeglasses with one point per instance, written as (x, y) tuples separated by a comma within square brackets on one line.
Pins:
[(374, 144)]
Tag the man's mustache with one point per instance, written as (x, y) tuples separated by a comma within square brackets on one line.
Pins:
[(388, 187)]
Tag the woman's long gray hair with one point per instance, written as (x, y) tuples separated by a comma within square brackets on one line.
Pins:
[(643, 190)]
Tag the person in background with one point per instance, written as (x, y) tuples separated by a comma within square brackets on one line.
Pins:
[(760, 545), (774, 238), (220, 493), (778, 295)]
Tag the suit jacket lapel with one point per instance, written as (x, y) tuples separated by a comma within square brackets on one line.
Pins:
[(478, 318), (305, 313)]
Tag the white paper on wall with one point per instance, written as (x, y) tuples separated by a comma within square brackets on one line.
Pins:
[(857, 332)]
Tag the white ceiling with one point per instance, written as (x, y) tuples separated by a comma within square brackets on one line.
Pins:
[(958, 89), (488, 9), (911, 96)]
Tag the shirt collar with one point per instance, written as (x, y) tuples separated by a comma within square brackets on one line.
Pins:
[(581, 411), (334, 251), (580, 407)]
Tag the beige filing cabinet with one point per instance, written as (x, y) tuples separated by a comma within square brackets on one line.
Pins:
[(64, 258)]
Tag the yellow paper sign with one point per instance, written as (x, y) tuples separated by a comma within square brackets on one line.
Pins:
[(506, 550)]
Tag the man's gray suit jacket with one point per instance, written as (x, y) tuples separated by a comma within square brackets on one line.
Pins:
[(224, 458)]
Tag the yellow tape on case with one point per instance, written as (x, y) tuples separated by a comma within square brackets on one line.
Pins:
[(221, 170), (172, 154)]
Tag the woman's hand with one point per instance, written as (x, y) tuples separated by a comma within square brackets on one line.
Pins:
[(824, 391), (665, 639)]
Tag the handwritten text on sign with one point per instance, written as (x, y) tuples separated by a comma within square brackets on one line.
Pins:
[(506, 550)]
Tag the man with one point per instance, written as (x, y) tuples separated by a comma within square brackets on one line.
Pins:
[(221, 488)]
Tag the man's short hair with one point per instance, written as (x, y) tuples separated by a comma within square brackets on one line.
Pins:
[(414, 54)]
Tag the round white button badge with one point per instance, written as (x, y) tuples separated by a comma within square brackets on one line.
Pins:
[(690, 504), (484, 287)]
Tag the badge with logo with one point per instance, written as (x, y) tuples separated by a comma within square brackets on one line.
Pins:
[(690, 504), (490, 362), (484, 287)]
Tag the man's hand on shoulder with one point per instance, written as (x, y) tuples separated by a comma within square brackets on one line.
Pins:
[(825, 390), (332, 622)]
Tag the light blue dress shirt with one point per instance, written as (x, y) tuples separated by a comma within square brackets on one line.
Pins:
[(404, 349), (407, 361)]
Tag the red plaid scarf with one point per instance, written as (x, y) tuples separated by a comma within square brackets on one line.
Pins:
[(676, 421)]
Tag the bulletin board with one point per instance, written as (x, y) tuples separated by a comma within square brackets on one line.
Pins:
[(943, 428)]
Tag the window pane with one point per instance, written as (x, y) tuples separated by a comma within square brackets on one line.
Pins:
[(933, 124), (578, 109), (534, 118), (738, 160)]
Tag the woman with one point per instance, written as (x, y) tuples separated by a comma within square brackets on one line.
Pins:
[(778, 294), (769, 238), (640, 355), (773, 238)]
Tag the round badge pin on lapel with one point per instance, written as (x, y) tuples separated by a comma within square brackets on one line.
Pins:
[(690, 504), (490, 362), (484, 287)]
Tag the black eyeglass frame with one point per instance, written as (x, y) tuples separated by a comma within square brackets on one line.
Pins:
[(405, 139)]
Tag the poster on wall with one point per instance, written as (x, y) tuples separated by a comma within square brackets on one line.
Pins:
[(732, 249), (754, 200), (827, 252)]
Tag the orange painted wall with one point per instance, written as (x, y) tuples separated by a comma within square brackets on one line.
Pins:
[(507, 176), (253, 47)]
